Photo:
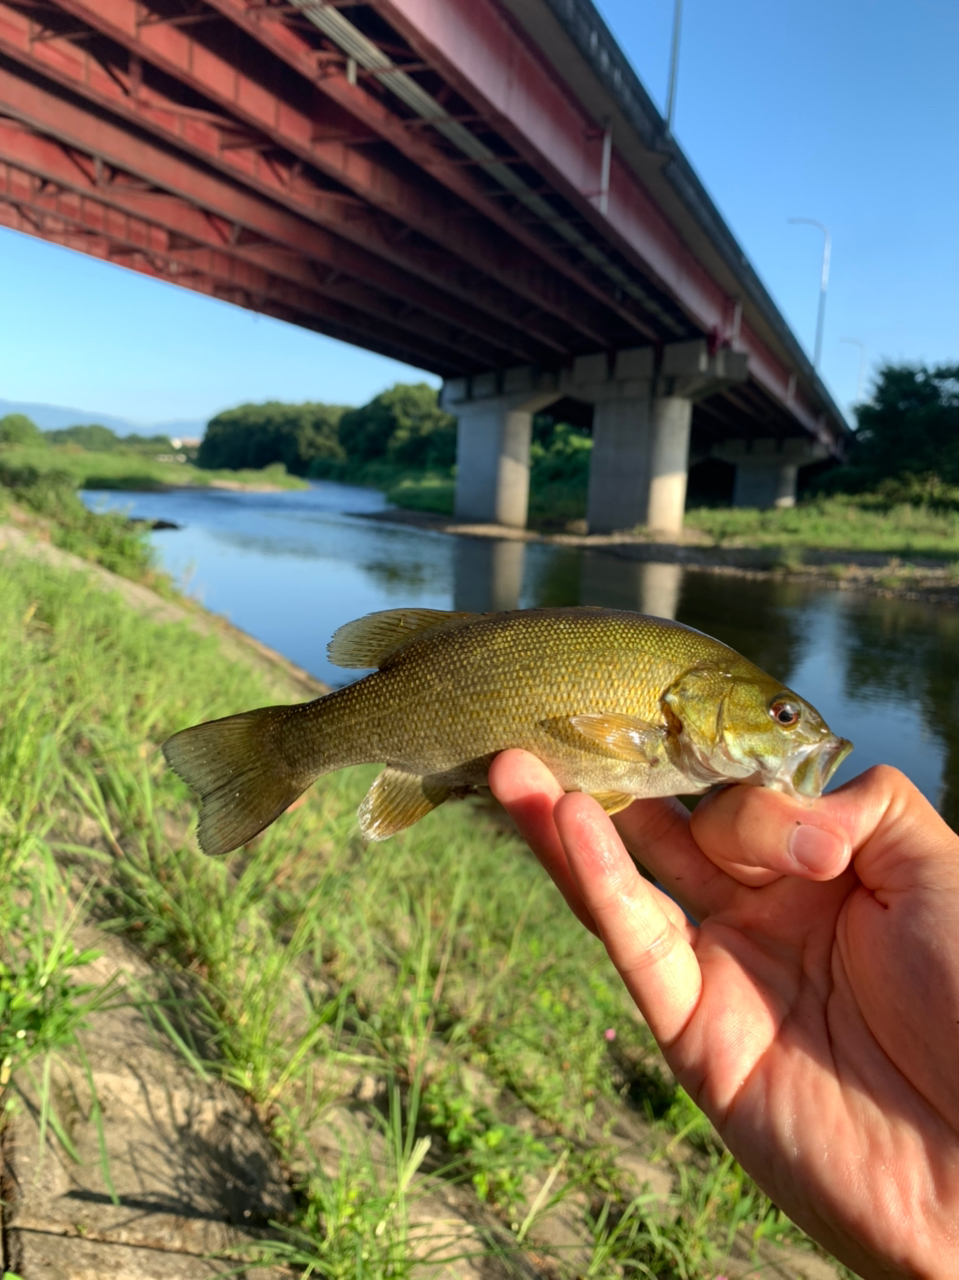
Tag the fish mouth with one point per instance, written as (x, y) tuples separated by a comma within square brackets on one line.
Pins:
[(813, 771)]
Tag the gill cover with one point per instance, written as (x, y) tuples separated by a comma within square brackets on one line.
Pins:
[(728, 730)]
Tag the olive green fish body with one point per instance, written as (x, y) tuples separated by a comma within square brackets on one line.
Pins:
[(615, 703)]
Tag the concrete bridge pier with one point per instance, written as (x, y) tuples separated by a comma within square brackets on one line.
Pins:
[(641, 426), (493, 433), (619, 468), (642, 410), (652, 587), (767, 470), (670, 421)]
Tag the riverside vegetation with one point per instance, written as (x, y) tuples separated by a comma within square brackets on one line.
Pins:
[(490, 1051), (93, 457), (897, 494)]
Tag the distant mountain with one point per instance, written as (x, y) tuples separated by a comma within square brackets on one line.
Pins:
[(51, 417)]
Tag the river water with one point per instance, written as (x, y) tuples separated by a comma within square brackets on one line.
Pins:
[(291, 567)]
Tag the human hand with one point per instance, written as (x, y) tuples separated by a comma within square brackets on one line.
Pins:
[(813, 1013)]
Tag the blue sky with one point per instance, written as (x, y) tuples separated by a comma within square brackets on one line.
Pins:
[(846, 111)]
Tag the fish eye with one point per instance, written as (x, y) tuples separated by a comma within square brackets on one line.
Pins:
[(785, 712)]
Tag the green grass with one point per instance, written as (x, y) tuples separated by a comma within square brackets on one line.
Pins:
[(552, 504), (862, 522), (896, 520), (423, 493), (119, 469), (440, 965), (47, 503)]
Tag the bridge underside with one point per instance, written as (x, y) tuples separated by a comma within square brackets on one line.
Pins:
[(352, 169)]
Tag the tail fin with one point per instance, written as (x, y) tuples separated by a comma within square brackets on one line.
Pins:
[(242, 777)]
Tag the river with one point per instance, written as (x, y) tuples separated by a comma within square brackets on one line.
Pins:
[(290, 567)]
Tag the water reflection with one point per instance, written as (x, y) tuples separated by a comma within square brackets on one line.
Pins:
[(910, 653), (290, 568), (487, 574), (765, 621), (643, 586)]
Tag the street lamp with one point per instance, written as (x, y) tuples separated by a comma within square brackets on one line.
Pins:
[(824, 281), (674, 64), (862, 364)]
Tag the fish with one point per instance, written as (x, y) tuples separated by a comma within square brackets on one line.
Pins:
[(618, 704)]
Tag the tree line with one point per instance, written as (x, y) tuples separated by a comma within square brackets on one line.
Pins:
[(907, 435), (18, 429), (403, 428), (906, 443)]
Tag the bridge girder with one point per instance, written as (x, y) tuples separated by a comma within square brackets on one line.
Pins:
[(166, 174), (256, 276), (345, 160), (378, 211), (268, 165)]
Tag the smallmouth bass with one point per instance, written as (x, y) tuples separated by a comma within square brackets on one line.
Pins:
[(617, 704)]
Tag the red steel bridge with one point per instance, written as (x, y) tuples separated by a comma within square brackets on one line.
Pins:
[(481, 188)]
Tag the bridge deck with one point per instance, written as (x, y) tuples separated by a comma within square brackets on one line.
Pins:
[(467, 187)]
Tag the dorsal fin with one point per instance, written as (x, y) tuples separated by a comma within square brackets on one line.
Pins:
[(373, 640)]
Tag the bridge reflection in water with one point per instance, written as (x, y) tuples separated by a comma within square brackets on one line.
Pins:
[(641, 585), (488, 576)]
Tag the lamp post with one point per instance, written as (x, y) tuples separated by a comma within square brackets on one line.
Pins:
[(862, 364), (674, 64), (824, 281)]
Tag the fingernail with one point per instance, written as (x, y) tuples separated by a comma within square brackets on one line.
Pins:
[(815, 849)]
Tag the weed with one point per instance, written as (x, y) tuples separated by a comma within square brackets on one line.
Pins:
[(843, 522), (354, 1222), (131, 469), (635, 1241), (498, 1156), (441, 963)]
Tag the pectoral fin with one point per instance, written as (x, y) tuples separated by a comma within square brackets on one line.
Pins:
[(613, 801), (624, 737), (395, 801)]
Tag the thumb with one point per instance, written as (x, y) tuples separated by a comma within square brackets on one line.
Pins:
[(879, 821), (757, 835)]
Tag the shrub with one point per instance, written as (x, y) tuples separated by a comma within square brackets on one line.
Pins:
[(254, 436), (17, 428)]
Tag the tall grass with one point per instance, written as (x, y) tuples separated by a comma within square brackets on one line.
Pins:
[(132, 469), (843, 522), (439, 968), (899, 521), (109, 539)]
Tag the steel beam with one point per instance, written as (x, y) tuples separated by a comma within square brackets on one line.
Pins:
[(410, 138), (161, 169), (285, 181), (221, 275), (194, 278), (54, 183), (474, 46)]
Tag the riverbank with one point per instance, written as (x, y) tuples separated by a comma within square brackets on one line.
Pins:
[(406, 1052), (137, 471), (923, 577)]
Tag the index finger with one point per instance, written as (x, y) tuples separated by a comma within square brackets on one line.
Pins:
[(658, 834), (648, 940), (655, 832)]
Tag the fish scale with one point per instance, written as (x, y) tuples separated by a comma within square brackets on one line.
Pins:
[(617, 704)]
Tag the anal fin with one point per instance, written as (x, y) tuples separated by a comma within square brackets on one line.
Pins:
[(612, 801), (396, 800)]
